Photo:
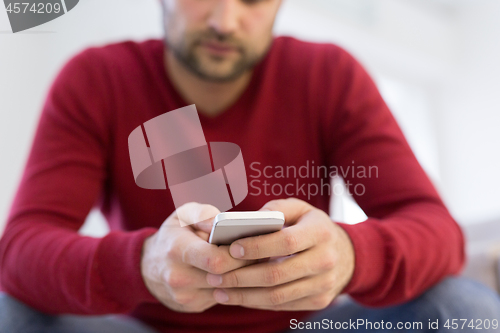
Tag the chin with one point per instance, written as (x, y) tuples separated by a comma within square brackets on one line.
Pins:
[(217, 77), (218, 73)]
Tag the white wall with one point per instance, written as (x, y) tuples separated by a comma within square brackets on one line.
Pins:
[(469, 121), (436, 63), (404, 45), (30, 60)]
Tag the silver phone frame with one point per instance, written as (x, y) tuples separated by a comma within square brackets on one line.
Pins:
[(230, 226)]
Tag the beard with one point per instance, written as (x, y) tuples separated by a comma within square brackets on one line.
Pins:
[(214, 68)]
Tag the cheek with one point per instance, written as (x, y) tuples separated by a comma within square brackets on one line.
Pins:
[(194, 12), (185, 16), (258, 27)]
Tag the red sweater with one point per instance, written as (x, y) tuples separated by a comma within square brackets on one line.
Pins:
[(306, 104)]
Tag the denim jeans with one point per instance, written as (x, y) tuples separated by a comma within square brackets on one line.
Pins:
[(454, 298)]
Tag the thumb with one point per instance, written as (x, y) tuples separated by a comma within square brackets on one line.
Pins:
[(292, 208), (205, 226), (199, 216)]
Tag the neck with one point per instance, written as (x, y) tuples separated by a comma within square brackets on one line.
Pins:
[(211, 98)]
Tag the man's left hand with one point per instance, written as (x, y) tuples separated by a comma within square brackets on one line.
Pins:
[(312, 260)]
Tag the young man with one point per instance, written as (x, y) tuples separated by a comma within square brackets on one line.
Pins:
[(287, 104)]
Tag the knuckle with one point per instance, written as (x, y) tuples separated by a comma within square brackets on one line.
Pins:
[(231, 279), (327, 233), (252, 247), (290, 242), (328, 284), (323, 235), (216, 265), (276, 297), (304, 265), (182, 298), (173, 252), (327, 262), (175, 280), (273, 275), (321, 302), (237, 297), (241, 298)]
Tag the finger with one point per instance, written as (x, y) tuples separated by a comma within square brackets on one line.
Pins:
[(186, 277), (204, 226), (292, 208), (189, 301), (203, 235), (290, 240), (200, 300), (276, 272), (204, 299), (195, 213), (210, 258), (273, 296), (309, 303)]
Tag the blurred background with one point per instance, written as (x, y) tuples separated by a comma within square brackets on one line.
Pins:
[(436, 62)]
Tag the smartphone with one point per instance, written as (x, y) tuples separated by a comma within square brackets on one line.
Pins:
[(230, 226)]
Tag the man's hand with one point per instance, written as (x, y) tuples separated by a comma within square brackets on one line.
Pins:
[(176, 259), (315, 262)]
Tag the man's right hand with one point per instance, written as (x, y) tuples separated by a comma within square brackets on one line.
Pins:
[(175, 260)]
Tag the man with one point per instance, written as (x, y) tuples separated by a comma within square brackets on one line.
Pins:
[(287, 104)]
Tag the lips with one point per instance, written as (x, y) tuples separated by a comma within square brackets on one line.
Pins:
[(218, 48)]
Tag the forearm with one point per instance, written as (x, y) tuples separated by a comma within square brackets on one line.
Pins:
[(402, 255), (56, 270)]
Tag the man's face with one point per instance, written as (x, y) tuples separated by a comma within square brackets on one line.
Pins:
[(218, 40)]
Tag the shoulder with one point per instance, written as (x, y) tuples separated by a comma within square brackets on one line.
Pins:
[(121, 51), (319, 68), (299, 53), (96, 68), (126, 53), (91, 76), (112, 59), (322, 72)]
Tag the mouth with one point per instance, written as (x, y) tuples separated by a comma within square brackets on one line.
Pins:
[(219, 49)]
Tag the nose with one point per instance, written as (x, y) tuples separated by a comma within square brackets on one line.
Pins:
[(224, 17)]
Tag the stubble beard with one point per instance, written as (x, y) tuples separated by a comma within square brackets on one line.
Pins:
[(185, 53)]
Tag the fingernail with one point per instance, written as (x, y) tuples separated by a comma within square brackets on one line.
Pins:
[(214, 280), (237, 251), (221, 296)]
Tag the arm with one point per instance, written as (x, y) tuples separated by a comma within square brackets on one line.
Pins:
[(410, 241), (43, 260)]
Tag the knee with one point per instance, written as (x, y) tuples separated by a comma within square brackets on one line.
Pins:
[(10, 309), (15, 317), (460, 298)]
